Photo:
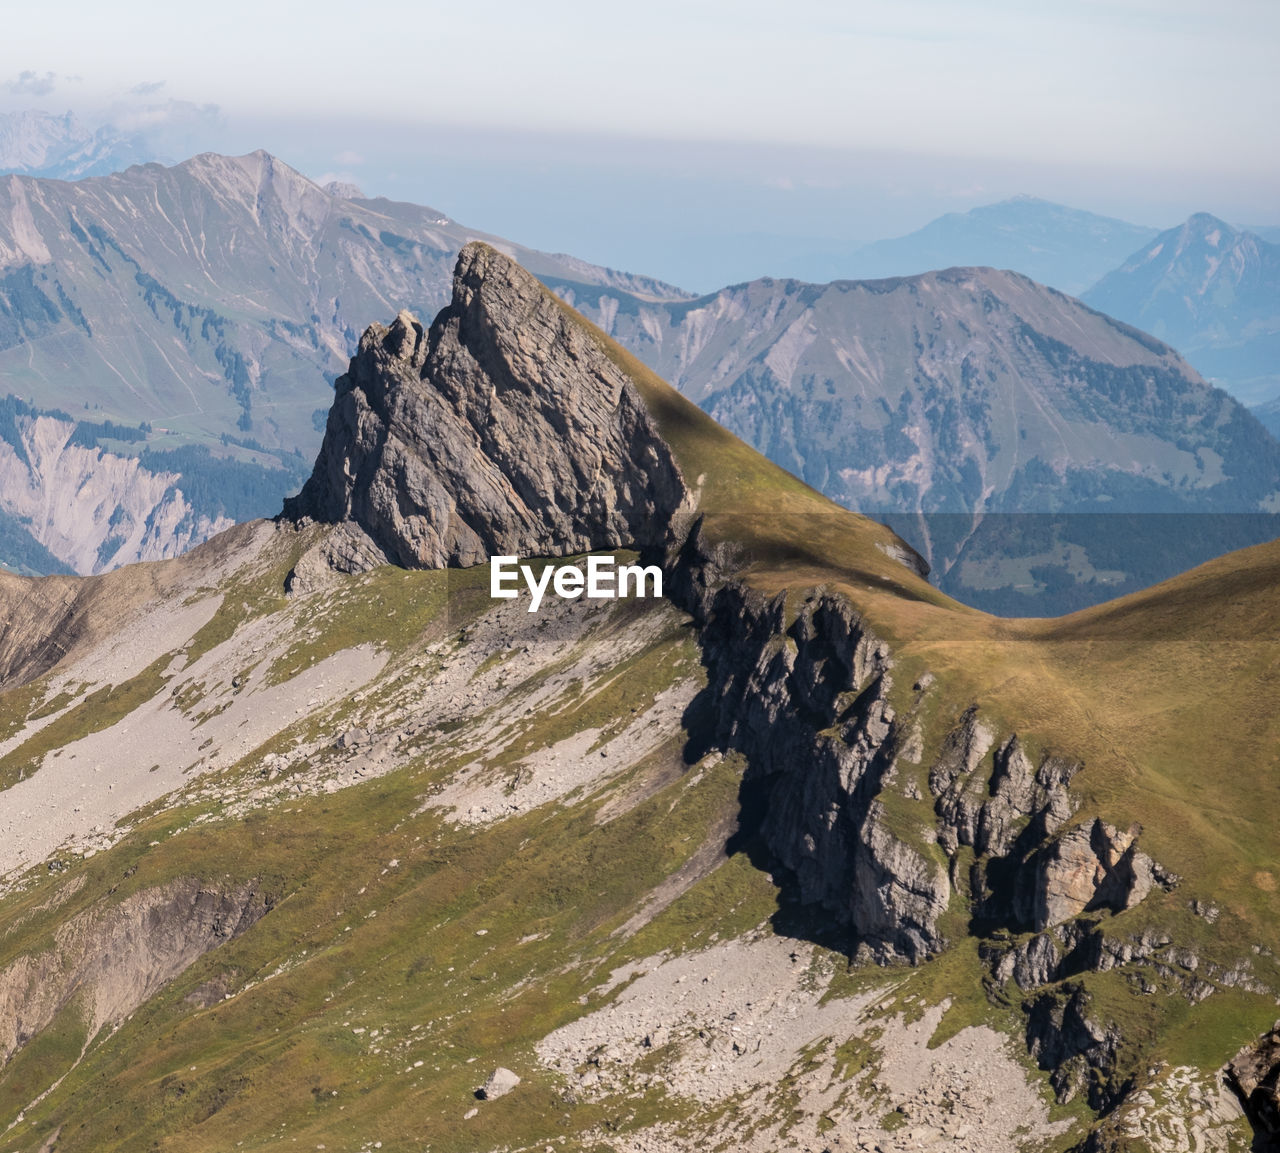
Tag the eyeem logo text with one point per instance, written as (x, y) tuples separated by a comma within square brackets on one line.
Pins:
[(602, 579)]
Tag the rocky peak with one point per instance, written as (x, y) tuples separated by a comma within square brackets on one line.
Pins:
[(504, 429)]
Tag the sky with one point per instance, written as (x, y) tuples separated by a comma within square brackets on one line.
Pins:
[(702, 141)]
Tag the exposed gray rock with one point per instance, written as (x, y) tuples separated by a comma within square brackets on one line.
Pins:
[(1014, 805), (506, 429), (1078, 1052), (1019, 795), (346, 549), (1033, 963), (1092, 866), (500, 1082), (351, 739), (1254, 1073), (808, 705), (117, 956)]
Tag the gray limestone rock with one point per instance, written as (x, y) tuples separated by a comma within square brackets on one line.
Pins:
[(808, 705), (1254, 1073), (1092, 866), (505, 429), (500, 1082)]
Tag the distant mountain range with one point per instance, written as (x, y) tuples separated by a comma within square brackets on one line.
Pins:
[(1209, 289), (1269, 414), (1212, 291), (956, 403), (213, 302), (1063, 247), (170, 335), (43, 144)]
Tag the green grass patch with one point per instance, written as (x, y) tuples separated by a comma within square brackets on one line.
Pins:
[(457, 951), (34, 1068)]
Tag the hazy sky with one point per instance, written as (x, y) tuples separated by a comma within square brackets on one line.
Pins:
[(831, 121)]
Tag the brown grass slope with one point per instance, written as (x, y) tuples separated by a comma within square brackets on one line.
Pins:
[(1167, 695)]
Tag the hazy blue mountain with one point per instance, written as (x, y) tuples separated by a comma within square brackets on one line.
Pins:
[(43, 144), (1269, 414), (1213, 292), (1063, 247), (997, 424)]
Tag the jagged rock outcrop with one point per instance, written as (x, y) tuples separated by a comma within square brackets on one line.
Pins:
[(808, 705), (1254, 1073), (1078, 1052), (1018, 802), (1084, 946), (1090, 867), (1029, 874), (505, 429)]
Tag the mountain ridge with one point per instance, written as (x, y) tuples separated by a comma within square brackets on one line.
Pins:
[(433, 828), (1066, 248), (946, 398), (34, 143)]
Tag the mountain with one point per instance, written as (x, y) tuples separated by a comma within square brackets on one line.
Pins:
[(1039, 454), (176, 324), (1269, 415), (385, 861), (1213, 292), (1055, 245), (42, 144), (185, 324)]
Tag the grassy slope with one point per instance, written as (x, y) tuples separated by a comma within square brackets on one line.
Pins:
[(354, 943)]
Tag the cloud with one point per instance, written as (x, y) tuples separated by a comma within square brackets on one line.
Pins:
[(166, 115), (166, 130), (347, 178), (29, 83), (146, 88), (349, 157)]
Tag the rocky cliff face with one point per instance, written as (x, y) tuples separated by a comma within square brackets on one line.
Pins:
[(94, 510), (505, 429), (109, 961), (808, 703)]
